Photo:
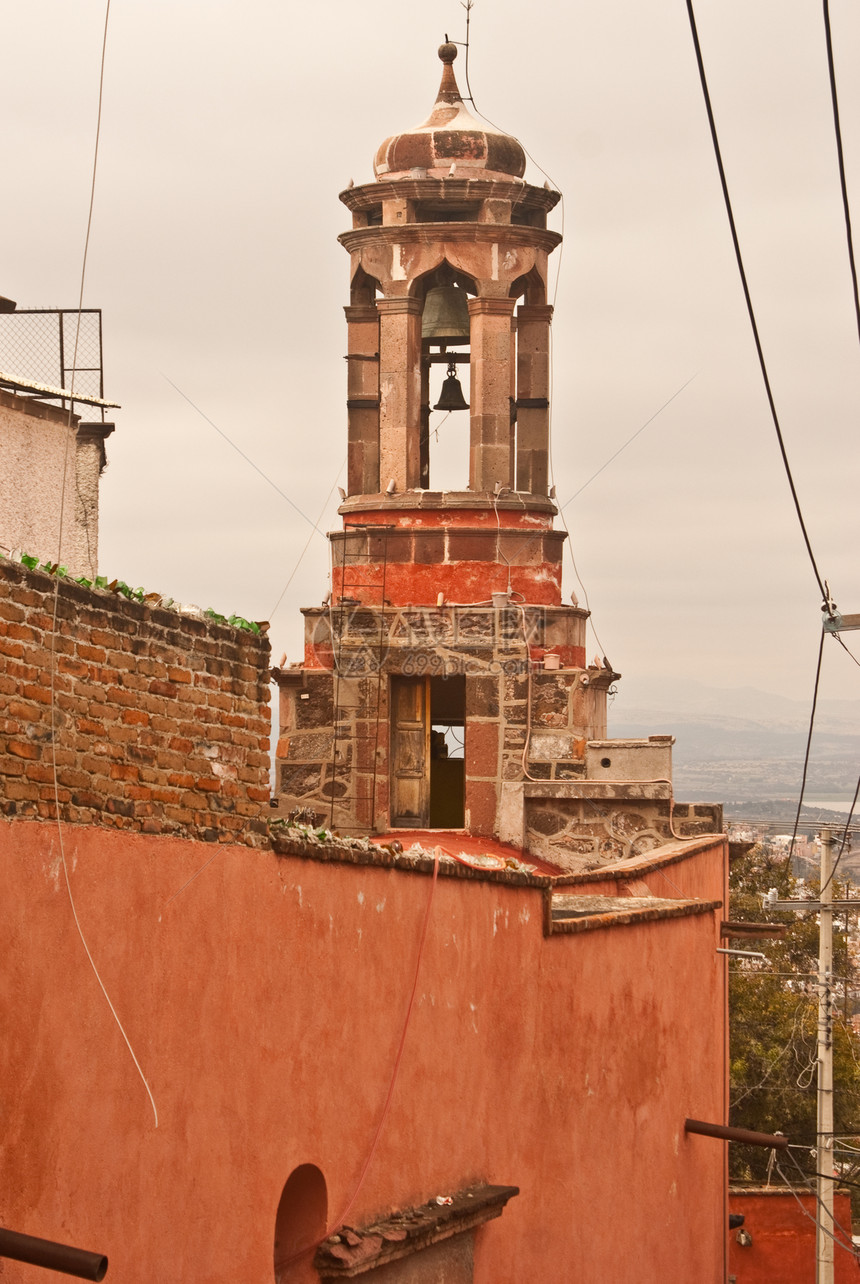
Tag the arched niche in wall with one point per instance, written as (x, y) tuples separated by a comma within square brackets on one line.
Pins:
[(300, 1224)]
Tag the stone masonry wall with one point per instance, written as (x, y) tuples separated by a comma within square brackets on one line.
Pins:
[(160, 720), (505, 688), (611, 823)]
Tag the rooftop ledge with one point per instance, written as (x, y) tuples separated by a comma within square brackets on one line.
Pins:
[(563, 912), (290, 840), (575, 914), (517, 501), (596, 789), (355, 1252), (659, 858)]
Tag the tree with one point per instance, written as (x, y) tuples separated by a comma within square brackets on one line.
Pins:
[(773, 1022)]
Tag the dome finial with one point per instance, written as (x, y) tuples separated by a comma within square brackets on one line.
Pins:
[(448, 91)]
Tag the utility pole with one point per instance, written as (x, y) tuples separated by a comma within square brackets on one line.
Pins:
[(824, 1165), (825, 1181)]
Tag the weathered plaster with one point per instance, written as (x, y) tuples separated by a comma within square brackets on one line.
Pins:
[(40, 445)]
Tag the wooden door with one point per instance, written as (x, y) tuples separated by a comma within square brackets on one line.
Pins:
[(410, 753)]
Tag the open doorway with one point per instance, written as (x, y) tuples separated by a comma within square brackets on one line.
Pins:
[(428, 766)]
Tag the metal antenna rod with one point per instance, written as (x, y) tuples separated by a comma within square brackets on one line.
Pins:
[(467, 5)]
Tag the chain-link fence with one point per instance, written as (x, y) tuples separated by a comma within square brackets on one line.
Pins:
[(44, 345)]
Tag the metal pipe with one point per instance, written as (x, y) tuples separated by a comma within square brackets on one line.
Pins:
[(742, 1135), (54, 1257)]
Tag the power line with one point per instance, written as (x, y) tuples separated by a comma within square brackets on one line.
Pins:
[(844, 833), (241, 452), (841, 160), (748, 298), (808, 746), (301, 556), (53, 646), (628, 442)]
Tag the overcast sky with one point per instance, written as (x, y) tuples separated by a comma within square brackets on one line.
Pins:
[(229, 129)]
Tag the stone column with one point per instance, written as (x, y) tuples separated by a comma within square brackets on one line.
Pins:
[(362, 399), (399, 392), (533, 324), (491, 456)]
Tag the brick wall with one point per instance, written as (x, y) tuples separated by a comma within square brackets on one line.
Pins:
[(160, 720)]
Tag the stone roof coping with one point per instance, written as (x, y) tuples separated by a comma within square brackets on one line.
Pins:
[(797, 1188), (594, 913), (290, 841), (603, 789), (658, 858), (350, 1252)]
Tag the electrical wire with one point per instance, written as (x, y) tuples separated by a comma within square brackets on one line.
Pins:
[(748, 298), (629, 441), (758, 345), (532, 538), (831, 70), (563, 506), (845, 648), (790, 855), (569, 540), (846, 1245), (849, 1246), (797, 1020), (55, 613), (241, 452), (528, 735), (301, 556), (808, 823), (844, 837), (558, 262)]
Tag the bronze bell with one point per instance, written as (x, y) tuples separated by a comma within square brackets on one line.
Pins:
[(451, 397), (446, 315)]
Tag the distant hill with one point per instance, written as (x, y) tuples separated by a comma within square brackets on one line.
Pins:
[(742, 745)]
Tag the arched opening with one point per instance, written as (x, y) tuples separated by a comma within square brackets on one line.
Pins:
[(300, 1224), (444, 351), (363, 289), (531, 287)]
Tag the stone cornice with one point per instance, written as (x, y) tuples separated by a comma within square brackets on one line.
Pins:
[(509, 234), (453, 190), (436, 500)]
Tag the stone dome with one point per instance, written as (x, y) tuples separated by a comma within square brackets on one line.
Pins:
[(451, 142)]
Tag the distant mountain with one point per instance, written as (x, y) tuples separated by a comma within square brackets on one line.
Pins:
[(742, 744), (688, 699)]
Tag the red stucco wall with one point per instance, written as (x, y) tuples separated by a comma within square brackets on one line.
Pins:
[(782, 1226), (265, 1004)]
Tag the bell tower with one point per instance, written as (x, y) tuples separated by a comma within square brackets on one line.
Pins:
[(443, 681), (449, 250)]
